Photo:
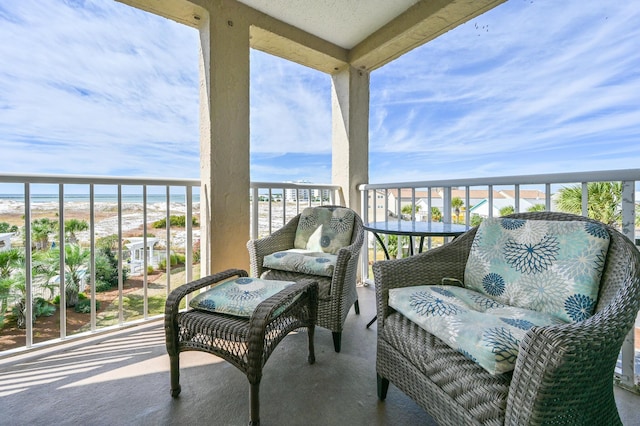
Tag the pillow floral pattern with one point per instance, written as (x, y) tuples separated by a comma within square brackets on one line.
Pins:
[(552, 267), (238, 297), (302, 261), (484, 330), (324, 229)]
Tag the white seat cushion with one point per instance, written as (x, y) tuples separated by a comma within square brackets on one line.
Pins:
[(238, 297), (302, 261), (484, 330)]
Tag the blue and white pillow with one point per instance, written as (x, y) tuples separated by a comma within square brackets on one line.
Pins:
[(324, 229), (238, 297), (553, 267)]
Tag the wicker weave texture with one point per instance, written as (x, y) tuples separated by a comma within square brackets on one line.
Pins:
[(338, 293), (563, 374), (246, 343)]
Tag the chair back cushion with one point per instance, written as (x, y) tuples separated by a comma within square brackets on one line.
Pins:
[(553, 267), (324, 229)]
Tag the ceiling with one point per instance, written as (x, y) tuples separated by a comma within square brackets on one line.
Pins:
[(344, 23), (328, 34)]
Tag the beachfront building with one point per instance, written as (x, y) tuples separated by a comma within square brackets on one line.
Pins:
[(136, 249), (5, 241)]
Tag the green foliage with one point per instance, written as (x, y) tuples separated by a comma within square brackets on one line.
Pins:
[(196, 252), (72, 226), (604, 201), (392, 244), (537, 208), (476, 220), (102, 286), (175, 258), (6, 227), (84, 306), (42, 308), (407, 209), (109, 242), (107, 270), (175, 221), (436, 214), (507, 210), (40, 230)]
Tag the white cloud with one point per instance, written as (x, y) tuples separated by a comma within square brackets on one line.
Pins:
[(97, 87)]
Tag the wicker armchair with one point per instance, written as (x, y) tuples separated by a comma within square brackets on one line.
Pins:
[(563, 373), (336, 294)]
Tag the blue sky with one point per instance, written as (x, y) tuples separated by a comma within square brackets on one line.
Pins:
[(99, 88)]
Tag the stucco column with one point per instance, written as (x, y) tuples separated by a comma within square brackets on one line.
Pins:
[(350, 132), (224, 140)]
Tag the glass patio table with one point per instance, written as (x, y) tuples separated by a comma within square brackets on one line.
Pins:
[(412, 229)]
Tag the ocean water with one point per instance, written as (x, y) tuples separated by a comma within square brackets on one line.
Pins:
[(98, 198)]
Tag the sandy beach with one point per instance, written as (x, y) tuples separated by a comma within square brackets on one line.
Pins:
[(106, 218)]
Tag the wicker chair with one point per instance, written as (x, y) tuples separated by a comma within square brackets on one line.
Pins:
[(336, 294), (563, 374)]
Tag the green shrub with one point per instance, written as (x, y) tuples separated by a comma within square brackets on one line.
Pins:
[(42, 308), (177, 221), (176, 259), (103, 286), (84, 306)]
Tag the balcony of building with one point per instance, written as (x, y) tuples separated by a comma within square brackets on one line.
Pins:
[(112, 368)]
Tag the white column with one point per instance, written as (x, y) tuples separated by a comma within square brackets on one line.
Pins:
[(350, 132), (224, 140)]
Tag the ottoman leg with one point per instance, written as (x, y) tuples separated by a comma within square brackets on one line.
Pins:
[(255, 404), (174, 361)]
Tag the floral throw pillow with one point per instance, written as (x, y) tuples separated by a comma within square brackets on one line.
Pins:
[(553, 267), (324, 229), (238, 297)]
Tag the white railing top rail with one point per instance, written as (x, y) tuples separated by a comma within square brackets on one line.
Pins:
[(97, 180), (539, 179), (294, 185)]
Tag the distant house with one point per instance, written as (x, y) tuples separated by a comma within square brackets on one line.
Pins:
[(477, 197), (5, 241), (136, 250), (482, 208)]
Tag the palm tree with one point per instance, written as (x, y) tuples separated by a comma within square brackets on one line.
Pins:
[(506, 210), (72, 226), (537, 208), (76, 262), (604, 201), (456, 204), (9, 260), (436, 214), (40, 230)]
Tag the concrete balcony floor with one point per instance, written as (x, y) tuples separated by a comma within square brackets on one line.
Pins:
[(123, 379)]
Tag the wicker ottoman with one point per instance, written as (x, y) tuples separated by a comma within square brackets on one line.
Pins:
[(246, 343)]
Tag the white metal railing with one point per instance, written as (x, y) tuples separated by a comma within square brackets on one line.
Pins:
[(273, 204), (119, 194), (384, 202)]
